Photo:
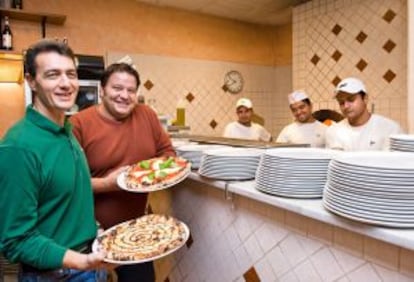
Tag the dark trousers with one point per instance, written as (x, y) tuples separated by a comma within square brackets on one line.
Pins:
[(143, 272), (63, 274)]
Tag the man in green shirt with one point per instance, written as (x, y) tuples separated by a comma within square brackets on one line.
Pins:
[(46, 198)]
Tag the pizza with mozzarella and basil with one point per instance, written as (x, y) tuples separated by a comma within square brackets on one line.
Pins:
[(155, 174)]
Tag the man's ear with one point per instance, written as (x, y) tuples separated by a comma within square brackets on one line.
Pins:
[(31, 81), (366, 99), (101, 93)]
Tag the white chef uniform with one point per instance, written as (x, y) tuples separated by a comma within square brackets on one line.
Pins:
[(373, 135), (253, 132), (312, 133)]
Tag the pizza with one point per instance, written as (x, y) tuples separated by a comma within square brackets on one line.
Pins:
[(156, 173), (142, 239)]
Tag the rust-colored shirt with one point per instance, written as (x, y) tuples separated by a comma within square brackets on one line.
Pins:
[(110, 144)]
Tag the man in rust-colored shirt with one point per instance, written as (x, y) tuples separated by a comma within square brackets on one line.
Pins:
[(116, 133)]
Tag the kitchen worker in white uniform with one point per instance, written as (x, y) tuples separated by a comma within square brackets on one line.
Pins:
[(360, 130), (244, 128), (305, 129)]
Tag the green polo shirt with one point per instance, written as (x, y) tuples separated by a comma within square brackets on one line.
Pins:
[(46, 201)]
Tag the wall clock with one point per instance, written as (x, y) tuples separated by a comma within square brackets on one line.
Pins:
[(233, 82)]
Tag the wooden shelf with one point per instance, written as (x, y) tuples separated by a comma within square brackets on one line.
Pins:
[(33, 17), (10, 53), (41, 18)]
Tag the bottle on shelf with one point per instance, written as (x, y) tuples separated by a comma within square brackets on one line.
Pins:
[(17, 4), (6, 35), (180, 113)]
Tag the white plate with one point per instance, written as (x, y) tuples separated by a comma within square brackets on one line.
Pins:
[(374, 183), (380, 207), (371, 170), (233, 167), (293, 166), (382, 161), (317, 190), (234, 159), (371, 193), (293, 188), (355, 217), (367, 213), (402, 144), (230, 164), (229, 177), (291, 194), (234, 152), (303, 161), (402, 148), (286, 174), (296, 187), (404, 137), (151, 188), (302, 153), (227, 173), (96, 247), (377, 175)]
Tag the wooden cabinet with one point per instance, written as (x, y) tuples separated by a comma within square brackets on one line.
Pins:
[(11, 67), (42, 18), (11, 91)]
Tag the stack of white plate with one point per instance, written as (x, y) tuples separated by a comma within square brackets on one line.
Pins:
[(193, 152), (230, 163), (402, 142), (294, 172), (372, 187)]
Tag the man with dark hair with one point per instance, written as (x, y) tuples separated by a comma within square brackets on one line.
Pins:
[(116, 133), (244, 127), (305, 129), (46, 201), (359, 130)]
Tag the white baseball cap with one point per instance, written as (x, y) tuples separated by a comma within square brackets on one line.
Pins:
[(245, 103), (350, 85), (297, 96)]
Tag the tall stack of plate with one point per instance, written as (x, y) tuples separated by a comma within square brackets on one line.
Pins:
[(194, 152), (230, 163), (402, 142), (372, 187), (294, 172)]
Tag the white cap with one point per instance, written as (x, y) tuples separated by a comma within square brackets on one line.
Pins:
[(297, 96), (245, 103), (350, 85)]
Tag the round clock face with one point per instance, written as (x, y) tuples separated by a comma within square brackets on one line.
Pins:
[(233, 82)]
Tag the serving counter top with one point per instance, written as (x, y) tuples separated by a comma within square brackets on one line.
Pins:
[(312, 208), (236, 142)]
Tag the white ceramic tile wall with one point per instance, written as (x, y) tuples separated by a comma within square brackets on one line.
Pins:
[(313, 23), (228, 240), (174, 78)]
